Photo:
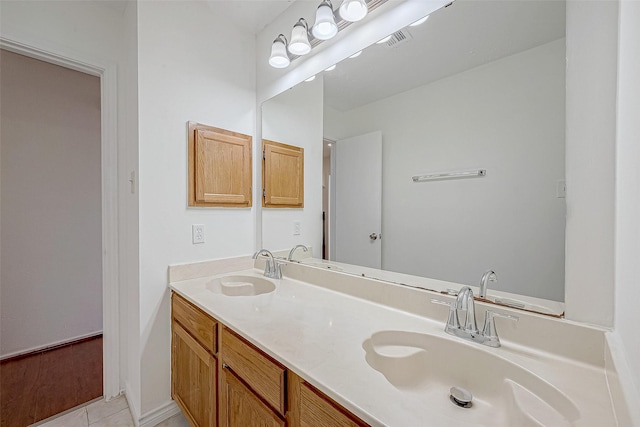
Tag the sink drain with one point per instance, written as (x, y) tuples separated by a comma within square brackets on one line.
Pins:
[(461, 397)]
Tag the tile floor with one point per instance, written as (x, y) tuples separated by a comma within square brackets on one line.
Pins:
[(114, 413)]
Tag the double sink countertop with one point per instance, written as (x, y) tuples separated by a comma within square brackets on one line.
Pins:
[(380, 350)]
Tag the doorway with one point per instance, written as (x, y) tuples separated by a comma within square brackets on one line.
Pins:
[(51, 239), (355, 200)]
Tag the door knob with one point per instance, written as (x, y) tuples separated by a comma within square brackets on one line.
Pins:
[(373, 236)]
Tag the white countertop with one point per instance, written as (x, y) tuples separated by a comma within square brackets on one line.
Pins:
[(318, 334)]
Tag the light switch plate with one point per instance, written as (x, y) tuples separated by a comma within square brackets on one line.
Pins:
[(296, 228)]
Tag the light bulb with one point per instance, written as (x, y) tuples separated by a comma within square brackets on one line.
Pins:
[(299, 39), (279, 57), (353, 10), (325, 26)]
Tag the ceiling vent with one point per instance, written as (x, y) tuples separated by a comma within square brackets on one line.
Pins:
[(398, 38)]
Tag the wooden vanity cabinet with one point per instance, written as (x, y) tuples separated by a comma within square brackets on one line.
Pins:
[(309, 407), (220, 379), (194, 366)]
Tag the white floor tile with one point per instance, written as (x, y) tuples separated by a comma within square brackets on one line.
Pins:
[(177, 420), (119, 419), (77, 418), (102, 409)]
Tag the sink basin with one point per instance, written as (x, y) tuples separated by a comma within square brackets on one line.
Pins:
[(504, 393), (241, 286)]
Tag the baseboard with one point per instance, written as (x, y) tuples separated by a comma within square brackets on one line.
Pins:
[(133, 407), (156, 416), (51, 346), (624, 395)]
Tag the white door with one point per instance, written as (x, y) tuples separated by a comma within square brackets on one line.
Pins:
[(358, 200)]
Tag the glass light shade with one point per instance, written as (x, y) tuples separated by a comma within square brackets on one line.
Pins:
[(299, 44), (353, 10), (325, 26), (279, 57), (310, 79), (355, 55), (331, 68), (384, 40), (419, 21)]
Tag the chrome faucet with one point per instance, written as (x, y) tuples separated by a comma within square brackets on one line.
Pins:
[(469, 329), (290, 257), (488, 276), (272, 269)]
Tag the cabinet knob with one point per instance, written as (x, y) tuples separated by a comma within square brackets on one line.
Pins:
[(225, 366)]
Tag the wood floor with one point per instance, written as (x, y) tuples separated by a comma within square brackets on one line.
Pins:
[(38, 386)]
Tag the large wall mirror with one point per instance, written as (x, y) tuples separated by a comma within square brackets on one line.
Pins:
[(472, 103)]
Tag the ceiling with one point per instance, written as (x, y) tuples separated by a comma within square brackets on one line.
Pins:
[(250, 15), (465, 35)]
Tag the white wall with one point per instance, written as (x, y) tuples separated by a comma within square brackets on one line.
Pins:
[(627, 315), (51, 241), (192, 65), (128, 213), (295, 118), (592, 37), (506, 117), (98, 32)]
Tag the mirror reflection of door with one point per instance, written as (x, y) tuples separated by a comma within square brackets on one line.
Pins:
[(355, 220)]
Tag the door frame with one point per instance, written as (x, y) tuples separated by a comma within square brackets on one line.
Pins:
[(107, 73)]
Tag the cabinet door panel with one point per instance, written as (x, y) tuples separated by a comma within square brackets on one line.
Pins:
[(194, 379), (219, 167), (282, 175), (243, 408)]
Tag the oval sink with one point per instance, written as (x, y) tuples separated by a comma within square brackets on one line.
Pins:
[(241, 286), (504, 393)]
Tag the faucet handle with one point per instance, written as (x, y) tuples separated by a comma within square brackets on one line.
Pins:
[(489, 330), (452, 320)]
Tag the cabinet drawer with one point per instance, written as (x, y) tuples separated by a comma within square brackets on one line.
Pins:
[(265, 376), (201, 326)]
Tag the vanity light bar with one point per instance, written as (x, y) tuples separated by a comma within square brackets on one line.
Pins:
[(450, 175), (341, 23)]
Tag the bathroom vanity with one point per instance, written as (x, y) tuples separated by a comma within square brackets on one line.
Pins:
[(321, 347)]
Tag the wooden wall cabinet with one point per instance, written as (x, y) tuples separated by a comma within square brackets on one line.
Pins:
[(219, 167), (251, 389), (282, 175)]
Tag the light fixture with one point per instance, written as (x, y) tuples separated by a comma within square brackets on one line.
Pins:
[(419, 21), (353, 10), (325, 26), (310, 79), (333, 67), (300, 38), (355, 55), (279, 57), (384, 40)]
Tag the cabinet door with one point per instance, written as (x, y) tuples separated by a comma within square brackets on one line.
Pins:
[(282, 175), (309, 407), (219, 167), (243, 408), (193, 379)]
